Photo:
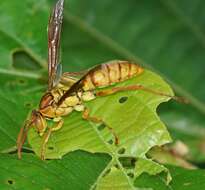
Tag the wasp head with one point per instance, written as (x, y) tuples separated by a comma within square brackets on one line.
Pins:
[(47, 106), (39, 122)]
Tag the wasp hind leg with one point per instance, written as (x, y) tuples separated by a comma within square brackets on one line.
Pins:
[(138, 87), (47, 136), (86, 116)]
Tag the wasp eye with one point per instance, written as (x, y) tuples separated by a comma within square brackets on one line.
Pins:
[(46, 100)]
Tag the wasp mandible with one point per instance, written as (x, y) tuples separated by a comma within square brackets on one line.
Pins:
[(67, 93)]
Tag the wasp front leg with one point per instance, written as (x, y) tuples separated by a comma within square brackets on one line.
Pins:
[(86, 116), (22, 137), (47, 135), (38, 122)]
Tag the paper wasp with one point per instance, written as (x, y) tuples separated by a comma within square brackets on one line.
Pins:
[(67, 93)]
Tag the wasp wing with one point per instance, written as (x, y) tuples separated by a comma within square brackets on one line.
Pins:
[(75, 74), (54, 34)]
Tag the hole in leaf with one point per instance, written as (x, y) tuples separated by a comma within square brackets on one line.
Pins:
[(106, 172), (110, 141), (128, 162), (123, 99), (121, 150), (101, 127), (50, 147), (117, 166), (28, 105), (22, 60), (21, 82), (131, 175), (10, 181), (133, 161)]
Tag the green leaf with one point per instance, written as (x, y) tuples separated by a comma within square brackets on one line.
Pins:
[(32, 173), (182, 180), (135, 122), (22, 36), (22, 48), (115, 176), (151, 168), (167, 155), (17, 98), (167, 35)]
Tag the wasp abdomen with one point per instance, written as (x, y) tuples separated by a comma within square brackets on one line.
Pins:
[(109, 73)]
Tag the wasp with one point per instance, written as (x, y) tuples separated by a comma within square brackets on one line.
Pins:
[(67, 93)]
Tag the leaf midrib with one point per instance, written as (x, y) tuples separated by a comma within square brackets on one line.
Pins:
[(113, 154), (26, 74), (92, 187)]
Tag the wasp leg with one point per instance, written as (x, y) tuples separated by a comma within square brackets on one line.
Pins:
[(86, 116), (44, 143), (22, 137), (138, 87), (47, 136)]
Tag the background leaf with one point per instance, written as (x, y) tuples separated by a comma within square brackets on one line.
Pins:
[(32, 173), (165, 35), (20, 86), (182, 180), (19, 174)]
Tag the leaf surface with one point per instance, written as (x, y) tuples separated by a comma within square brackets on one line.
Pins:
[(165, 35), (135, 122), (32, 173)]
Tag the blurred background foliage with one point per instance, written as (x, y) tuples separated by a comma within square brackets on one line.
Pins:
[(166, 36)]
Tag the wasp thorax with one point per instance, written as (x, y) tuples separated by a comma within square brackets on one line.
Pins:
[(72, 101), (57, 93), (63, 111)]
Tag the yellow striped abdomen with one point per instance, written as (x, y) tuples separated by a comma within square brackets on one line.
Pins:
[(109, 73)]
